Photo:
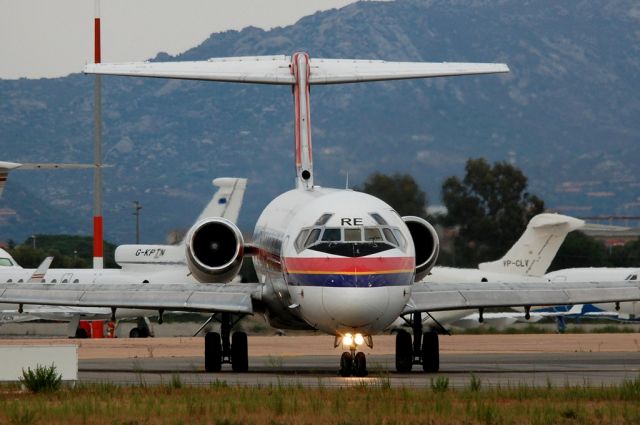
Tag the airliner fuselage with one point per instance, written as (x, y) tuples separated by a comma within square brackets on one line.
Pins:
[(335, 260)]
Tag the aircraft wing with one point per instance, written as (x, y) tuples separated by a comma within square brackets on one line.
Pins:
[(456, 296), (231, 297), (277, 70)]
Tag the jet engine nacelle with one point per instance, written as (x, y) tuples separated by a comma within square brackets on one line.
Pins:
[(215, 248), (426, 242)]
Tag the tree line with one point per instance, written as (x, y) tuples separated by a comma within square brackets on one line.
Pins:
[(489, 208)]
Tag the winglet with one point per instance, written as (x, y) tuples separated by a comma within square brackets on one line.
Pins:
[(42, 269)]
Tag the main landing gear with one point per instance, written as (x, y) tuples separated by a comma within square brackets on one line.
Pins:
[(424, 350), (224, 347), (352, 362), (143, 328)]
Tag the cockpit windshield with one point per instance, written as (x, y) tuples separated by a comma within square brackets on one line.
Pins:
[(6, 262), (350, 241)]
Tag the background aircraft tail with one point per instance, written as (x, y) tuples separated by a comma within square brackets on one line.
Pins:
[(533, 253), (226, 202)]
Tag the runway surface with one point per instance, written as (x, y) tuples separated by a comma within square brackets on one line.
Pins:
[(311, 361), (504, 369)]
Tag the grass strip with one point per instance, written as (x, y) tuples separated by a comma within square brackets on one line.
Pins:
[(375, 403)]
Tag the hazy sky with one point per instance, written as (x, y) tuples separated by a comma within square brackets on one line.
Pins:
[(50, 38)]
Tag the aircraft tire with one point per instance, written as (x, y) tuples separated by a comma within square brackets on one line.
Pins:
[(346, 364), (212, 352), (81, 333), (239, 352), (135, 333), (430, 352), (360, 365), (404, 352)]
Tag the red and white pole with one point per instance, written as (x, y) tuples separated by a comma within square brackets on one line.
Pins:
[(98, 246)]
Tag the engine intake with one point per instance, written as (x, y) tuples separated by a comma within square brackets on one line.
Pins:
[(426, 242), (215, 248)]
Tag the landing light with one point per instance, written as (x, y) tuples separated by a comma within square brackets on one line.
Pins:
[(359, 339), (347, 339)]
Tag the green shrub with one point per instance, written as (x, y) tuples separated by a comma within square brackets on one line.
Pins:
[(42, 379), (475, 383), (440, 385)]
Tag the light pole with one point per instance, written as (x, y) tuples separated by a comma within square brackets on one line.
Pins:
[(136, 211), (33, 239)]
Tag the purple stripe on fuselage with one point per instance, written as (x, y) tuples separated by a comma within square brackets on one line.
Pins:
[(350, 280)]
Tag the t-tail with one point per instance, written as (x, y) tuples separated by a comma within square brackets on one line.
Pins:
[(300, 72), (533, 253)]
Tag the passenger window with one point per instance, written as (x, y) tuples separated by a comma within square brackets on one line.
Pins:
[(313, 237), (388, 234), (331, 235), (54, 281), (353, 235), (65, 281), (10, 281), (76, 281), (372, 234), (43, 281), (20, 281)]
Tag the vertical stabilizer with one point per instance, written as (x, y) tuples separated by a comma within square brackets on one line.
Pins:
[(42, 269), (227, 200), (533, 253)]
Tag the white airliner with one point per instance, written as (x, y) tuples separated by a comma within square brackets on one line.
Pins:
[(140, 263), (333, 260), (527, 260)]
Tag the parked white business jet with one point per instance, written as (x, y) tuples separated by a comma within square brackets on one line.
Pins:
[(618, 311), (334, 260), (527, 260), (140, 264)]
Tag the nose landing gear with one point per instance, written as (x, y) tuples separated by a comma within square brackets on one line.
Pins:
[(353, 362)]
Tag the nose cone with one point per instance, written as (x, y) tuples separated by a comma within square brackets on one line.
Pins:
[(355, 307)]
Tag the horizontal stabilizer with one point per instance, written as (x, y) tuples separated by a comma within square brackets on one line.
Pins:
[(257, 69), (277, 70), (6, 167), (338, 71)]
